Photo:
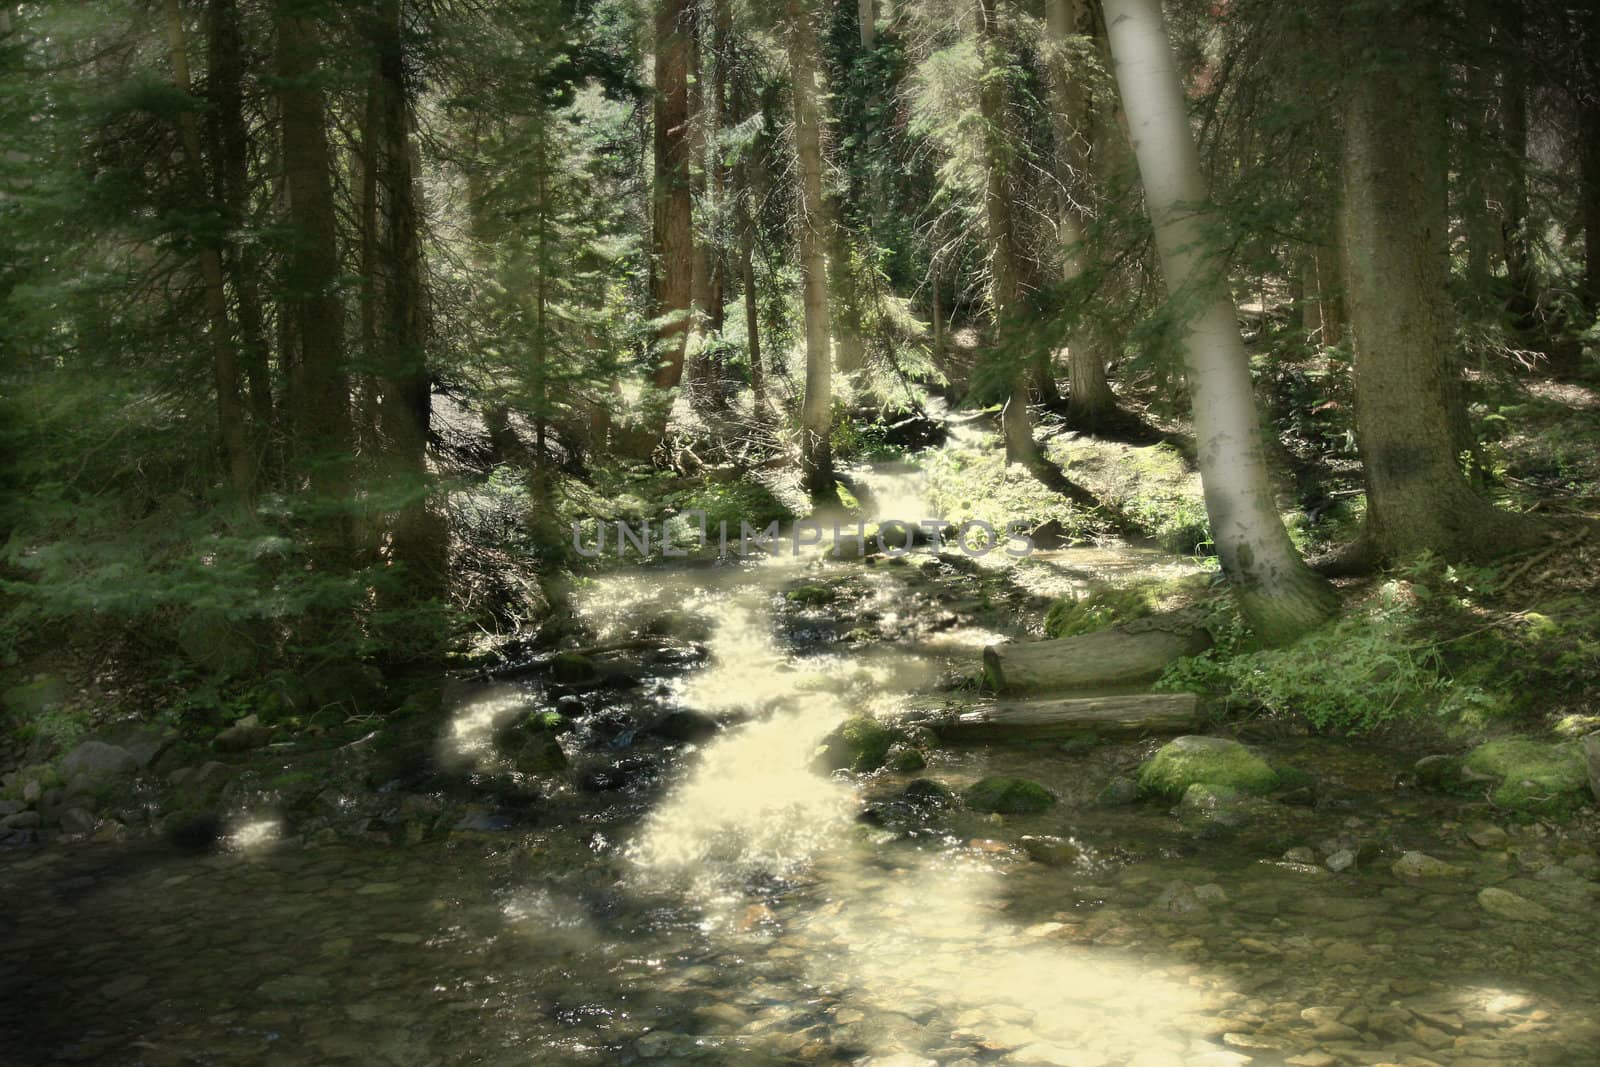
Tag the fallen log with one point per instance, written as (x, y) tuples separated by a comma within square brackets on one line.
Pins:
[(1107, 658), (1135, 714)]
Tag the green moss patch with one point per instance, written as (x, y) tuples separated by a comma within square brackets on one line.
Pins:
[(1211, 761), (1535, 777), (1008, 796), (859, 744)]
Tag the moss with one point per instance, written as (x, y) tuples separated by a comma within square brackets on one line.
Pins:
[(572, 667), (1071, 616), (43, 773), (810, 596), (1008, 796), (1535, 777), (1212, 761), (859, 744)]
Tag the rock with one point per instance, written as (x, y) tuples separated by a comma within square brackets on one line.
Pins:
[(571, 667), (809, 596), (22, 820), (858, 744), (685, 725), (242, 736), (1213, 761), (682, 625), (1179, 898), (1591, 756), (32, 791), (1300, 854), (1507, 905), (1534, 777), (1422, 865), (1439, 772), (905, 759), (1485, 835), (99, 761), (78, 821), (1052, 851), (1312, 1059), (1340, 861), (1008, 796), (1208, 805), (1119, 792)]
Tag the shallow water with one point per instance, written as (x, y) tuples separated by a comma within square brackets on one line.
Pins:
[(731, 906)]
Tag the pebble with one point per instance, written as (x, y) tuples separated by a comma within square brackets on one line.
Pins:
[(1422, 865), (1507, 905)]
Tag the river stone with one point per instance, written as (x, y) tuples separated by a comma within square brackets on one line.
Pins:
[(1008, 796), (860, 743), (1507, 905), (1213, 761), (99, 761), (242, 736), (22, 820), (78, 821), (1118, 792), (1340, 861), (1534, 777), (1422, 865)]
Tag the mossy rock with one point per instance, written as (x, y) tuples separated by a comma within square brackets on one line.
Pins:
[(570, 667), (1535, 777), (1212, 761), (905, 759), (542, 754), (858, 744), (1008, 796), (810, 596), (43, 773)]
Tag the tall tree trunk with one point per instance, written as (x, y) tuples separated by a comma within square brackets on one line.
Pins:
[(700, 282), (418, 540), (312, 304), (672, 229), (1005, 251), (232, 432), (816, 410), (1589, 154), (225, 66), (1418, 498), (1330, 294), (1280, 596), (1090, 402), (868, 19), (1514, 134)]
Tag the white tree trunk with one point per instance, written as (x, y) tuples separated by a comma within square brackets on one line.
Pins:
[(1279, 595)]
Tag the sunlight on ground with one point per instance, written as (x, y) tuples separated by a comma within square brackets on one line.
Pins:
[(470, 740)]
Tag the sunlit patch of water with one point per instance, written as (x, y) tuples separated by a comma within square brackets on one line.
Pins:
[(469, 741)]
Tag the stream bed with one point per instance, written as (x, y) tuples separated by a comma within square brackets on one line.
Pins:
[(704, 896)]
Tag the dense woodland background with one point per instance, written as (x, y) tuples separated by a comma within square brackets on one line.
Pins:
[(321, 322)]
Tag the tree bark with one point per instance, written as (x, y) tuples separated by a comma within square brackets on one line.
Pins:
[(1418, 498), (1006, 269), (1103, 659), (816, 409), (313, 308), (418, 539), (232, 431), (1133, 715), (1514, 134), (672, 229), (225, 65), (1090, 402), (868, 19), (1277, 593)]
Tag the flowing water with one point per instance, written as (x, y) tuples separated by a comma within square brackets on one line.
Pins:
[(719, 902)]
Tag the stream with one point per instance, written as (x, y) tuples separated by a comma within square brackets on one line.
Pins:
[(714, 900)]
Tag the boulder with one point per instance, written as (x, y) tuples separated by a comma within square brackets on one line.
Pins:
[(1007, 796), (860, 743), (1534, 777), (1507, 905), (99, 761), (78, 821), (242, 736), (1212, 761), (1422, 865), (1204, 805)]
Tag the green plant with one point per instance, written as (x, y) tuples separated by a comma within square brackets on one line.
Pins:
[(1071, 615)]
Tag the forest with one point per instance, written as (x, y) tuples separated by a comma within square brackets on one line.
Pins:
[(887, 532)]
